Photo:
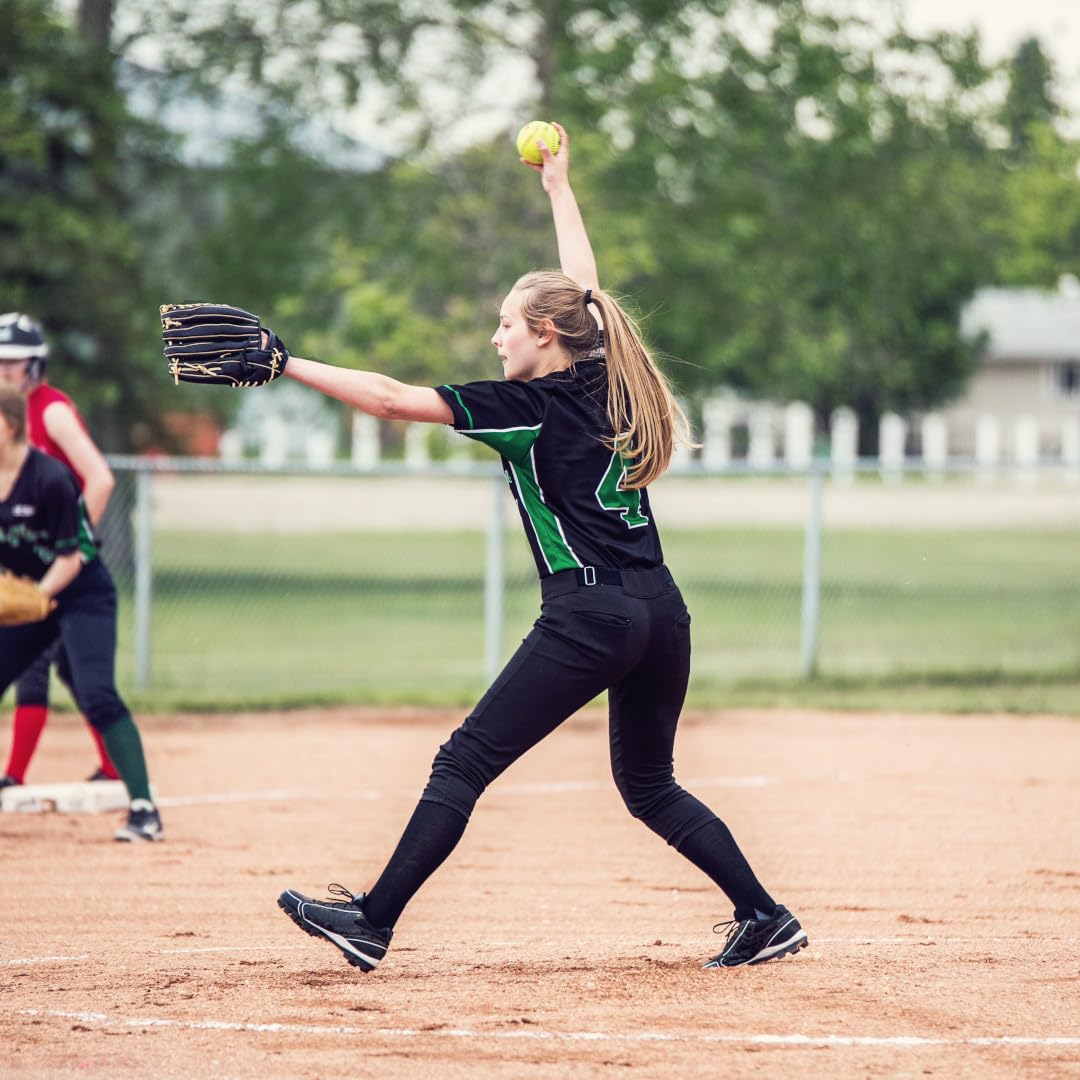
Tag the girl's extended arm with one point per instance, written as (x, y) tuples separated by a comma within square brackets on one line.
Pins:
[(371, 392)]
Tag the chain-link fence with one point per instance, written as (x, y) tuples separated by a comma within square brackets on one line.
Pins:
[(248, 586)]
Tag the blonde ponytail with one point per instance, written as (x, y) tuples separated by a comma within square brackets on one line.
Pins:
[(642, 410)]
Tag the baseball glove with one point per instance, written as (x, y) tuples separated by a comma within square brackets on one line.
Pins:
[(21, 601), (216, 343)]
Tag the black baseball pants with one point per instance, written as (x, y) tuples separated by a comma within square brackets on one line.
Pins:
[(632, 639), (32, 686), (84, 624)]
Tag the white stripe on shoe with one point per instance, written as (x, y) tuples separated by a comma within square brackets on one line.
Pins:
[(341, 942), (772, 950)]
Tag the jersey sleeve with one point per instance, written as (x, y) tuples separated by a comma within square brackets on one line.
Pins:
[(507, 416)]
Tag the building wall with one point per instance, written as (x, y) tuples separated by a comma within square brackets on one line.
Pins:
[(1006, 389)]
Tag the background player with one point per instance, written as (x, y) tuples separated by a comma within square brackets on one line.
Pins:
[(45, 536), (55, 427)]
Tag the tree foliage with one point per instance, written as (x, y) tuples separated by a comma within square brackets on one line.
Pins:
[(1037, 232), (69, 150), (1030, 104), (796, 204)]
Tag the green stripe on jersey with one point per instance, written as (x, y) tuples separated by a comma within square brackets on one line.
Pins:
[(515, 445), (83, 541), (549, 534), (87, 545), (464, 407)]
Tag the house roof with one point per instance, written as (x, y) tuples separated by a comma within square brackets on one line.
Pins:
[(1027, 324)]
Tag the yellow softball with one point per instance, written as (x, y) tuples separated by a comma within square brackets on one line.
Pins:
[(527, 136)]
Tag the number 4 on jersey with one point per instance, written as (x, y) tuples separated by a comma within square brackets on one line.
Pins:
[(611, 495)]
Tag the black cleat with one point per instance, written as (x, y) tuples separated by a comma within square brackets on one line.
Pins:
[(100, 774), (752, 941), (8, 781), (341, 922), (143, 823)]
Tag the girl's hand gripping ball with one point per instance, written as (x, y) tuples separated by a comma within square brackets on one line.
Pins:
[(526, 140)]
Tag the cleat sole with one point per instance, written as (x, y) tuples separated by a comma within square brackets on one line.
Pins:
[(788, 950)]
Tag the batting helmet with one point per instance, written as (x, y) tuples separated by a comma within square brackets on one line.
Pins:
[(21, 338)]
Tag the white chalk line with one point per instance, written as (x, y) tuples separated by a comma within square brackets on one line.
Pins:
[(891, 1041), (193, 950), (564, 787)]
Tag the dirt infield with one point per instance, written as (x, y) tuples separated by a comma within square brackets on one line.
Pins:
[(935, 862)]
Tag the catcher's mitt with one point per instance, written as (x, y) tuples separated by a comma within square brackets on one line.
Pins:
[(21, 601), (216, 343)]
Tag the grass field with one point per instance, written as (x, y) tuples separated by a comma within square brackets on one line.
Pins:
[(970, 620)]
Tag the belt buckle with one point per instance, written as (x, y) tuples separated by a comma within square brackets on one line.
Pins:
[(590, 574)]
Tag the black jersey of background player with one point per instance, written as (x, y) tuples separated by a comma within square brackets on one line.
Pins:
[(43, 517), (566, 480)]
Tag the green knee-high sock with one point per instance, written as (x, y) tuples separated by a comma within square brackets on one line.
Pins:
[(125, 748)]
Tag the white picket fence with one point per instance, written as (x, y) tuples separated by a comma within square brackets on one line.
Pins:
[(768, 436)]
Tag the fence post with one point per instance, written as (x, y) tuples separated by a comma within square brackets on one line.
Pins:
[(798, 435), (494, 581), (893, 433), (811, 585), (144, 574), (365, 441), (935, 444), (844, 443)]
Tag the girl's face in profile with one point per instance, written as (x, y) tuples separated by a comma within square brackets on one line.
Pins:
[(525, 354)]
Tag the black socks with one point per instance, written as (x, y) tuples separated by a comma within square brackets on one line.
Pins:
[(432, 833), (712, 849)]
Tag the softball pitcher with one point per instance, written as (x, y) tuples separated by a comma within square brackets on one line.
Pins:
[(581, 432)]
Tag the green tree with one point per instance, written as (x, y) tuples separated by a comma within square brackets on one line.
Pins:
[(821, 229), (1037, 227), (413, 287), (1030, 102), (802, 216), (68, 145)]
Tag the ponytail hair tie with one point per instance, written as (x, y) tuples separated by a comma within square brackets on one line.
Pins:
[(588, 297)]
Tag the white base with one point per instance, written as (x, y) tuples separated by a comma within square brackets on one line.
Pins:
[(87, 797)]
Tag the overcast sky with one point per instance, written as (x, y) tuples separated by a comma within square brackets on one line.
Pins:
[(1003, 24)]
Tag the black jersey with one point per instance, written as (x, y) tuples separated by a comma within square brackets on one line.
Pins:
[(43, 517), (554, 439)]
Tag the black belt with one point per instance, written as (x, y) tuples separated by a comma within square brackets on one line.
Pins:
[(635, 582), (598, 575)]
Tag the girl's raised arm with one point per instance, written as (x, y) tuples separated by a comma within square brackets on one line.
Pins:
[(576, 256)]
